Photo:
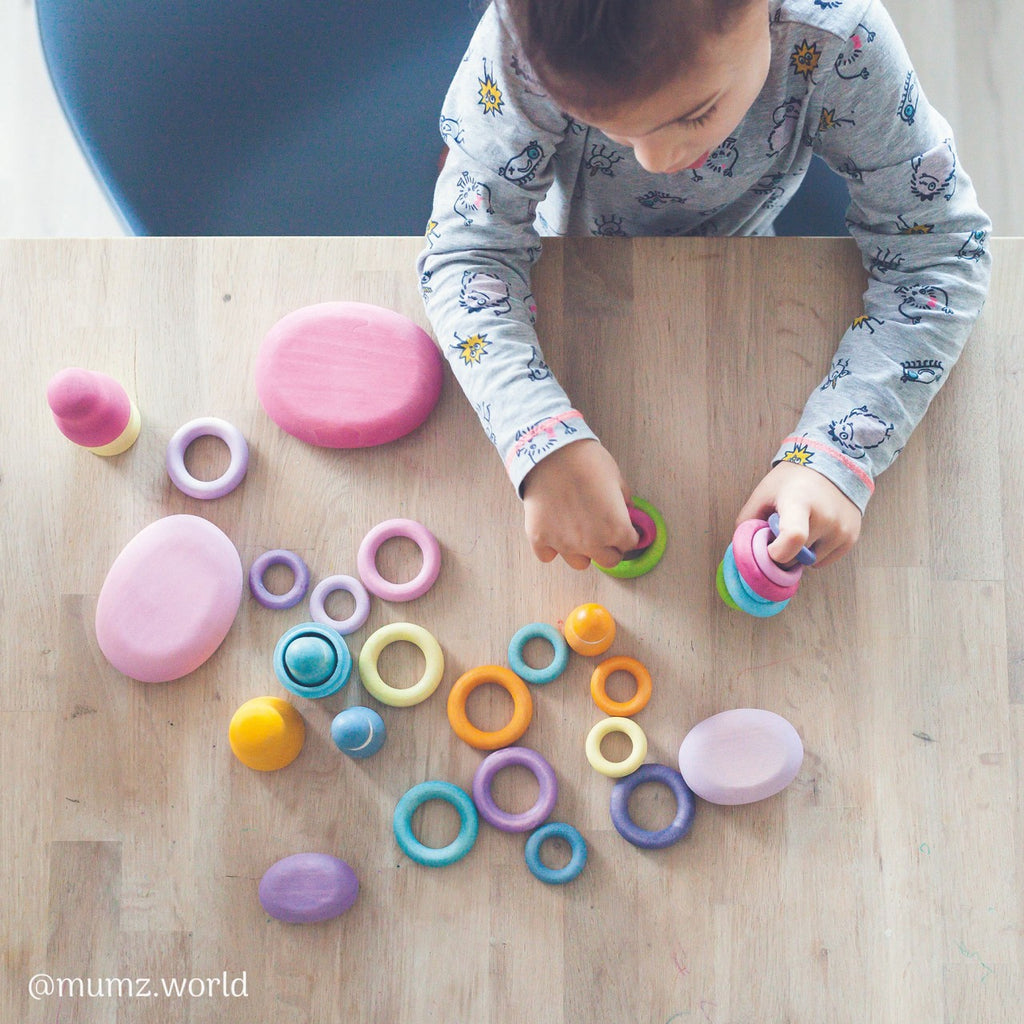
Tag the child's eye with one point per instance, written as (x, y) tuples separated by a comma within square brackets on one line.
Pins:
[(699, 122)]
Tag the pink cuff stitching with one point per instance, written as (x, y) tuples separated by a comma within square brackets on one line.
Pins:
[(544, 427), (825, 449)]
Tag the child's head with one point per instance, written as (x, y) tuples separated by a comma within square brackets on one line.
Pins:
[(670, 78)]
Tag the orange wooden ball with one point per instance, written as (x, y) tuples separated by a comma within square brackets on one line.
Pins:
[(590, 629)]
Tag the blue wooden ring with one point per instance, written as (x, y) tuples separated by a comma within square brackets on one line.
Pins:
[(542, 631), (556, 830), (734, 585), (686, 806), (433, 856)]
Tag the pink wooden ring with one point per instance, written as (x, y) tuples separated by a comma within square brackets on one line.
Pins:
[(771, 569), (645, 526), (366, 560), (742, 549)]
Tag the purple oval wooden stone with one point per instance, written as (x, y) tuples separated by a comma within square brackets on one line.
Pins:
[(307, 887)]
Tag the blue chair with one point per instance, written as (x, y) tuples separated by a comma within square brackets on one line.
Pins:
[(819, 206), (259, 117)]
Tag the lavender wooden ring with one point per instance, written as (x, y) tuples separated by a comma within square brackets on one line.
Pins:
[(279, 556), (421, 537), (208, 426), (805, 556), (771, 569), (491, 812), (351, 586)]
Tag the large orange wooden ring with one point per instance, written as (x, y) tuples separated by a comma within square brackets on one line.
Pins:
[(599, 683), (522, 710)]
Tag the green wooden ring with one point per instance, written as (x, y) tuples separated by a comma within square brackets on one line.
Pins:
[(630, 568)]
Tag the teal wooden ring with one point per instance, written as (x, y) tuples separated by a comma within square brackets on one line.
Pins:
[(631, 568), (543, 631), (433, 856), (734, 585), (559, 830)]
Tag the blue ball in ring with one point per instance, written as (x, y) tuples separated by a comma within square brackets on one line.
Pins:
[(538, 631), (433, 856), (556, 830), (686, 805)]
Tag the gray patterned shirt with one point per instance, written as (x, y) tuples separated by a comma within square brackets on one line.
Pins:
[(840, 85)]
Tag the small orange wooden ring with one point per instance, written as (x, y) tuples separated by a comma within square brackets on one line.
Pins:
[(599, 682), (522, 711)]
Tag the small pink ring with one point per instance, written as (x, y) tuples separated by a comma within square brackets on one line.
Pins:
[(208, 426), (366, 560), (742, 549), (299, 586), (645, 526), (771, 569), (329, 586)]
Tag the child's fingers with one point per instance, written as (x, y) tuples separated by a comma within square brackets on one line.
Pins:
[(794, 533), (544, 552), (577, 561)]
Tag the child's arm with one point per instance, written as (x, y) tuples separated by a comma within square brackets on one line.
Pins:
[(504, 137), (922, 235)]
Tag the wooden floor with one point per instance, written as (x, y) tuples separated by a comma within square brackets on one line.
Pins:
[(963, 51), (883, 887)]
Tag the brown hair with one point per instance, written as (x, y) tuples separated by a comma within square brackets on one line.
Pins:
[(593, 54)]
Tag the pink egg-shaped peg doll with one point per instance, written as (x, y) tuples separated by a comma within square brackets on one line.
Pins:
[(93, 410)]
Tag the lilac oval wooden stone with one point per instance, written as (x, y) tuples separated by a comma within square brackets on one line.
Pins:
[(740, 756), (307, 887), (169, 599)]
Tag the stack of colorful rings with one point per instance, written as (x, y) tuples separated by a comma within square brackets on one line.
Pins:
[(748, 580)]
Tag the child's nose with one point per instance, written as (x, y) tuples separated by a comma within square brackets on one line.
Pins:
[(653, 157)]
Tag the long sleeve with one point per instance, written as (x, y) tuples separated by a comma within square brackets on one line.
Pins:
[(922, 235), (504, 139)]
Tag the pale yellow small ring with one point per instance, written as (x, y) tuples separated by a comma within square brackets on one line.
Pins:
[(394, 696), (616, 769)]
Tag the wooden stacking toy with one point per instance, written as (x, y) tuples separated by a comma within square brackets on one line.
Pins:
[(93, 410)]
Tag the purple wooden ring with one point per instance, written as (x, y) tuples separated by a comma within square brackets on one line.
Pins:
[(351, 586), (805, 556), (686, 805), (491, 812), (367, 565), (208, 426), (771, 569), (279, 557)]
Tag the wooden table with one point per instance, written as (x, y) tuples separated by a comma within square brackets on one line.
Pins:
[(882, 886)]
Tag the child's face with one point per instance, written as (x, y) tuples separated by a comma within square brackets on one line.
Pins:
[(676, 127)]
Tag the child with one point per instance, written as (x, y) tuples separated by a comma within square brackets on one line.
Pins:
[(699, 117)]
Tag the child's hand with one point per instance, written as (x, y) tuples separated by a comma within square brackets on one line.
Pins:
[(575, 502), (812, 511)]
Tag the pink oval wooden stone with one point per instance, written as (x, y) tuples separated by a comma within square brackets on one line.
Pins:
[(348, 374), (308, 887), (169, 599), (740, 756)]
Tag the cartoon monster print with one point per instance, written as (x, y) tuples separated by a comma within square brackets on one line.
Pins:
[(974, 248), (785, 117), (521, 71), (840, 369), (425, 289), (522, 168), (768, 186), (922, 298), (471, 350), (432, 234), (908, 101), (608, 226), (850, 169), (489, 93), (883, 262), (535, 441), (601, 161), (539, 370), (481, 290), (451, 130), (906, 228), (828, 5), (800, 454), (828, 120), (654, 200), (922, 371), (848, 62), (859, 431), (723, 158), (472, 197), (531, 307), (804, 59), (934, 173), (483, 412), (866, 323)]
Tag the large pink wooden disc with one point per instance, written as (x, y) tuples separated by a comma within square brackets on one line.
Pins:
[(169, 599), (740, 756), (348, 374)]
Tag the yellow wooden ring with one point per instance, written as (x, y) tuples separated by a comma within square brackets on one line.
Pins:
[(599, 682), (395, 696), (616, 769), (522, 710)]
